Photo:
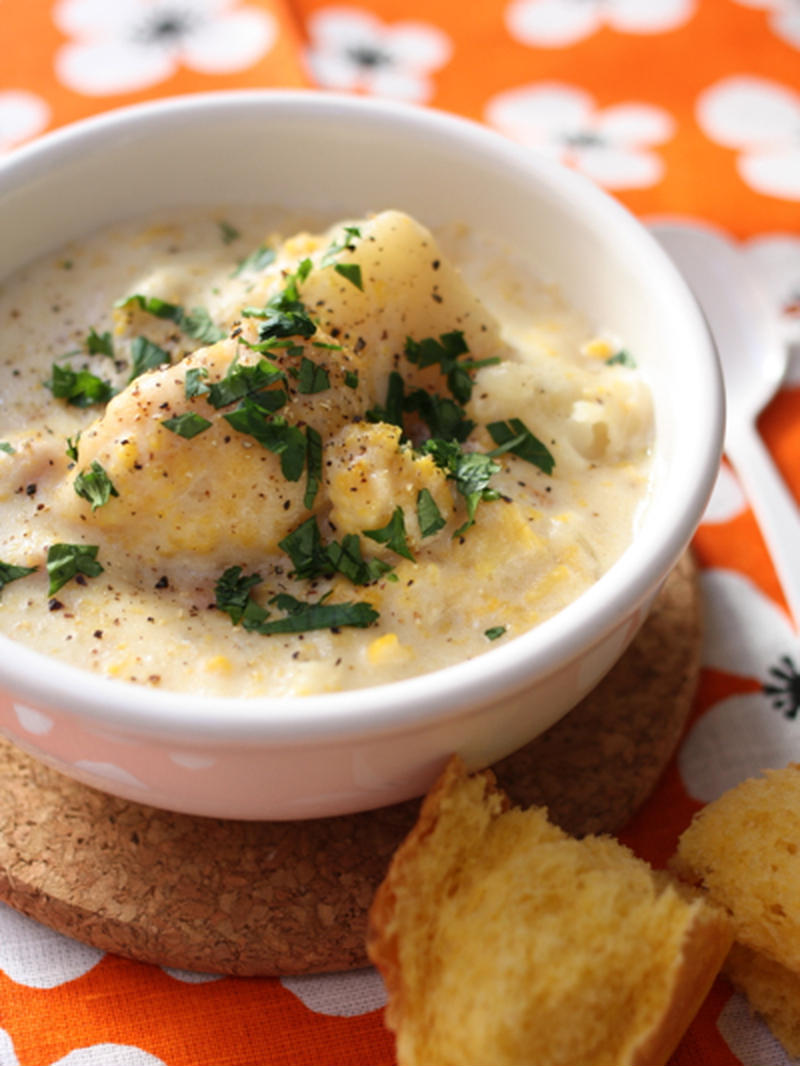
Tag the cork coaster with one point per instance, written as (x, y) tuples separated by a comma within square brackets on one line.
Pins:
[(281, 898)]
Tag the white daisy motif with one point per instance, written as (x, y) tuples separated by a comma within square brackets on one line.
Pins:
[(105, 1054), (22, 116), (784, 17), (96, 1055), (191, 977), (559, 23), (351, 49), (776, 263), (350, 993), (761, 119), (129, 45), (747, 635), (611, 146), (35, 956), (748, 1036)]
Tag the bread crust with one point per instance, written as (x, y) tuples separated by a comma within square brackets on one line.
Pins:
[(382, 935), (705, 949), (705, 945)]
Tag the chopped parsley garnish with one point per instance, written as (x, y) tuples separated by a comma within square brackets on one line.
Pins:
[(145, 355), (194, 382), (65, 561), (283, 316), (257, 260), (195, 323), (392, 411), (242, 381), (352, 272), (301, 617), (313, 465), (9, 449), (515, 437), (621, 358), (9, 572), (305, 548), (471, 472), (94, 485), (72, 447), (444, 417), (446, 352), (494, 632), (80, 388), (346, 557), (393, 534), (228, 232), (99, 343), (312, 377), (311, 558), (187, 425), (273, 433), (350, 234), (345, 243), (430, 518), (233, 595)]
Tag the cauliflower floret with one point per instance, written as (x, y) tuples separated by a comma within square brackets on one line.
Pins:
[(409, 289)]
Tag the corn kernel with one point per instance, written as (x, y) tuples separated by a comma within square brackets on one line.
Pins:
[(386, 649), (597, 348), (219, 664)]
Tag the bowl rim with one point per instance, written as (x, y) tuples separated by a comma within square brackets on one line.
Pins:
[(451, 691)]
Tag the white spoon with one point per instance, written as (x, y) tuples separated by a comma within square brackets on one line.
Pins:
[(753, 365)]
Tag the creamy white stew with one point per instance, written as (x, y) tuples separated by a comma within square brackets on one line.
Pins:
[(243, 463)]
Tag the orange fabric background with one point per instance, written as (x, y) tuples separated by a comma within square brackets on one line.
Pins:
[(236, 1022)]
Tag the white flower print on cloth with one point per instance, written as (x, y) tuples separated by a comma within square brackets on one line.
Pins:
[(96, 1055), (37, 957), (351, 50), (784, 17), (775, 259), (559, 23), (761, 119), (612, 146), (345, 996), (746, 635), (748, 1036), (127, 45), (22, 116)]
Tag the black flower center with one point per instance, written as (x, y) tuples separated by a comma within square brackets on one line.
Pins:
[(785, 691), (165, 27), (368, 56), (583, 139)]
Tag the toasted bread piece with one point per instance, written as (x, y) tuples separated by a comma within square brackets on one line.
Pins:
[(744, 851), (503, 940)]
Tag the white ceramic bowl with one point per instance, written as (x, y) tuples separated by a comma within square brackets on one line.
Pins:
[(334, 753)]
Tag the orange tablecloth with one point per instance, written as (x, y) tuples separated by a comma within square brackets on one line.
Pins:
[(679, 107)]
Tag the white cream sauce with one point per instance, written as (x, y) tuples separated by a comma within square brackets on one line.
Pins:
[(186, 510)]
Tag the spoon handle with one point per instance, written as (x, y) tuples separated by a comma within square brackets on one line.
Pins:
[(775, 509)]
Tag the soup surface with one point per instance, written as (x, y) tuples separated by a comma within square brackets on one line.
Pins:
[(243, 463)]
